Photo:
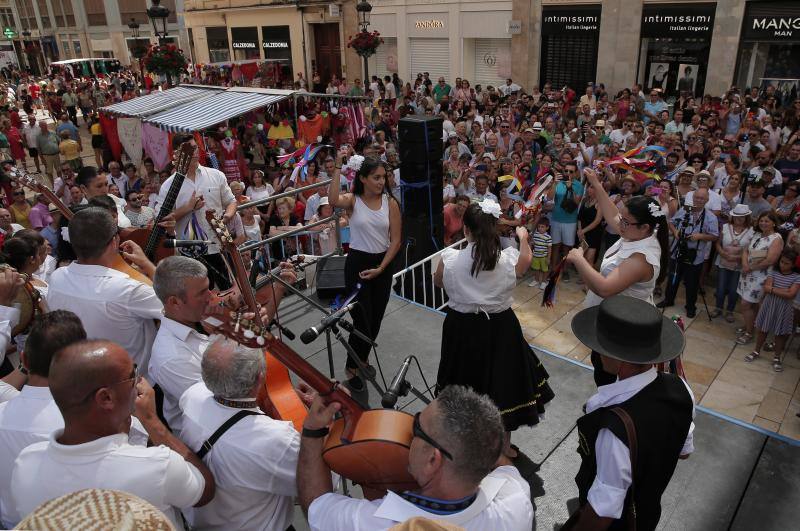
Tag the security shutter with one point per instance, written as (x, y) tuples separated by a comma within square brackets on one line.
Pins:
[(569, 59), (430, 55), (489, 57), (380, 59)]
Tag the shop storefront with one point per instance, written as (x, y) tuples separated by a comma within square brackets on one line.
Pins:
[(674, 47), (218, 51), (429, 45), (492, 61), (384, 62), (245, 44), (570, 36), (769, 53), (277, 44)]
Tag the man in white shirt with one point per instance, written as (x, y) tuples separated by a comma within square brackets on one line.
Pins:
[(94, 184), (96, 387), (33, 415), (621, 135), (676, 125), (589, 98), (111, 304), (455, 456), (115, 176), (31, 132), (509, 88), (203, 189), (631, 336), (254, 462)]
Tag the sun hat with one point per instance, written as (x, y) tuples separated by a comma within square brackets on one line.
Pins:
[(629, 330), (537, 126), (740, 210)]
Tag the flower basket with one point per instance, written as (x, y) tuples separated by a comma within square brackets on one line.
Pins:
[(365, 43), (167, 59)]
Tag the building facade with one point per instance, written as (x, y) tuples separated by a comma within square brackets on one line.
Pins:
[(74, 29)]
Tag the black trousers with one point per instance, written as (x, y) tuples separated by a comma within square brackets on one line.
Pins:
[(372, 299), (73, 115), (601, 377), (690, 275), (217, 272)]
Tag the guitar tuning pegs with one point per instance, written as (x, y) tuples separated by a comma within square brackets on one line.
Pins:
[(249, 334), (260, 340)]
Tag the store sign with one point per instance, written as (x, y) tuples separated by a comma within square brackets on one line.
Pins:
[(429, 24), (10, 33), (276, 43), (583, 19), (245, 45), (678, 21), (514, 27), (772, 21)]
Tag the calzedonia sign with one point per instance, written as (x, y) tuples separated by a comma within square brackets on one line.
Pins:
[(583, 19), (690, 21), (245, 45), (772, 21)]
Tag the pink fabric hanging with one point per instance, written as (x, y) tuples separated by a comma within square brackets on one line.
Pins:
[(156, 145)]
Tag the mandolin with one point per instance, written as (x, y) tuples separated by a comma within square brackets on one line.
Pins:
[(152, 240), (119, 263), (368, 447)]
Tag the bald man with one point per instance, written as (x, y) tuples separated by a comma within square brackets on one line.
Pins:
[(96, 386)]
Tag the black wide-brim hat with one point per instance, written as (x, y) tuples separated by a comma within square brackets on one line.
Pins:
[(629, 330)]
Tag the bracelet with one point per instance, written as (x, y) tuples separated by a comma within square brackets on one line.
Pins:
[(315, 434)]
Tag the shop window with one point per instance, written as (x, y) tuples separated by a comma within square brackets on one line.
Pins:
[(218, 50), (245, 43), (76, 46), (277, 44)]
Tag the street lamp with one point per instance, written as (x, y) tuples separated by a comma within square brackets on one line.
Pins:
[(158, 16), (26, 34), (134, 26), (364, 9)]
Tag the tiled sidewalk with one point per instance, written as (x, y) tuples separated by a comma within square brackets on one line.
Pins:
[(718, 375)]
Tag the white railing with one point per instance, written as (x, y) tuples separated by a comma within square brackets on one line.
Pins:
[(416, 280)]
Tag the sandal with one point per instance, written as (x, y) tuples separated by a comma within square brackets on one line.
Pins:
[(741, 330), (752, 356), (770, 346), (777, 366), (745, 338)]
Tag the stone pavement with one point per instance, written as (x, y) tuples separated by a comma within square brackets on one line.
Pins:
[(714, 363)]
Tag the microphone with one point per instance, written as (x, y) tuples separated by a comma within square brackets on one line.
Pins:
[(313, 332), (172, 243), (288, 333), (397, 387)]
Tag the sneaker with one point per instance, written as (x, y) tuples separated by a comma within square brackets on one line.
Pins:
[(716, 313), (533, 283), (542, 285)]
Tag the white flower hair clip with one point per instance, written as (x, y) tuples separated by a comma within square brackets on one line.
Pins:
[(354, 163), (655, 210), (490, 207)]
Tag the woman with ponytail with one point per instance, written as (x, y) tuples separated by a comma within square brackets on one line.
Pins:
[(634, 264), (482, 342), (375, 234)]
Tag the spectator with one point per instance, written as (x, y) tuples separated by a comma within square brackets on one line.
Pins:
[(140, 215), (567, 195), (70, 151), (734, 238)]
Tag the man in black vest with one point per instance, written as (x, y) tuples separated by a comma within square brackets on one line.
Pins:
[(636, 428)]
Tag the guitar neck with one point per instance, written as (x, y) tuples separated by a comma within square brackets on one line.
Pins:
[(29, 182), (166, 209)]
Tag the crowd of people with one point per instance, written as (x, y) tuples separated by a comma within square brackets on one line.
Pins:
[(626, 194)]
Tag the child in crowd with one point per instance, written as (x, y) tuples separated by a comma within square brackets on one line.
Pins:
[(776, 315), (542, 244)]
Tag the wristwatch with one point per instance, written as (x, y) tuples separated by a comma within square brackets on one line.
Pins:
[(315, 434)]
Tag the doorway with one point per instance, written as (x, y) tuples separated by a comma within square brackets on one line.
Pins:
[(328, 52)]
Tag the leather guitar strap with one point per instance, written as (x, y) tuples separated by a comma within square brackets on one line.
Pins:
[(630, 430), (228, 424)]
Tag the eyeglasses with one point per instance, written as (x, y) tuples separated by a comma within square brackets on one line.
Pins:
[(133, 377), (417, 431), (624, 223), (19, 193)]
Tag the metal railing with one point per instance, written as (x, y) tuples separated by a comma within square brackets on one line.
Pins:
[(415, 282)]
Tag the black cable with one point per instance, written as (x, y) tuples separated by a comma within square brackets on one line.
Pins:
[(424, 380)]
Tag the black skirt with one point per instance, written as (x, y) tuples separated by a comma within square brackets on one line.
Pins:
[(491, 355)]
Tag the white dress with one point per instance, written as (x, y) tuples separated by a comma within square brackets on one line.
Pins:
[(622, 249)]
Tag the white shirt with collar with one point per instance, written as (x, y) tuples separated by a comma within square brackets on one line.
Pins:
[(607, 493), (121, 181), (48, 469), (175, 364), (254, 464), (111, 305), (213, 186), (503, 504), (14, 228), (9, 318)]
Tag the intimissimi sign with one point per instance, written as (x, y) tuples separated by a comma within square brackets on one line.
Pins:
[(678, 21), (772, 21), (577, 19)]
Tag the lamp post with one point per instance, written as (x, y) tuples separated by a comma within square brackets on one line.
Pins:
[(158, 16), (26, 35), (364, 8), (134, 27)]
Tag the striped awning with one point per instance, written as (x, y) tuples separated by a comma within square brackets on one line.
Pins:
[(201, 114), (159, 101)]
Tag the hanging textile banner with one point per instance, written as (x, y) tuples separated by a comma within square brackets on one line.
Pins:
[(130, 136), (109, 125), (156, 145)]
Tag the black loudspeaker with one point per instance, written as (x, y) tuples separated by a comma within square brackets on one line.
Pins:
[(330, 277), (421, 172), (420, 139)]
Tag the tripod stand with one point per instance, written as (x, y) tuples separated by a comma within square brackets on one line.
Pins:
[(684, 258)]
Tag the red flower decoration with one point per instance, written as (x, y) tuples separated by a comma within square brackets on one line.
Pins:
[(365, 43)]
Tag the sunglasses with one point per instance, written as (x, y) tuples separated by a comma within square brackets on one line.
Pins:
[(133, 377), (19, 193), (418, 432)]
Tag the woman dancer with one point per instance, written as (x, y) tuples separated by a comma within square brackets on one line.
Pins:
[(375, 236), (482, 342), (633, 264)]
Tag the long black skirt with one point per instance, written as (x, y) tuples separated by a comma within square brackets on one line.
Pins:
[(491, 355)]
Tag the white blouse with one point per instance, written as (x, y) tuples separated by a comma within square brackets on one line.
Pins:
[(622, 249), (489, 291)]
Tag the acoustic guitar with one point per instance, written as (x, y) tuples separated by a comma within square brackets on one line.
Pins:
[(119, 263), (152, 240), (368, 447)]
